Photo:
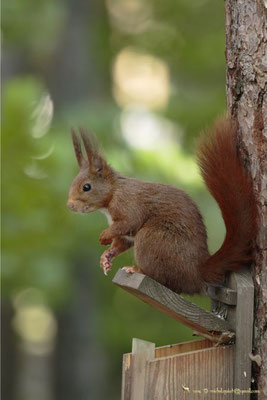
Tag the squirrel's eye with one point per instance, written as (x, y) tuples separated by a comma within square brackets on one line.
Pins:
[(86, 187)]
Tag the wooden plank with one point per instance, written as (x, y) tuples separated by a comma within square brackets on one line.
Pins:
[(174, 305), (126, 376), (142, 352), (204, 374), (184, 347), (162, 351), (242, 318), (223, 294)]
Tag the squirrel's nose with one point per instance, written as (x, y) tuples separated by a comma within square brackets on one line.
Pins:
[(70, 205)]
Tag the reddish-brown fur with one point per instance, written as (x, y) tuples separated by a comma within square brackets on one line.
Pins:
[(230, 185), (163, 223)]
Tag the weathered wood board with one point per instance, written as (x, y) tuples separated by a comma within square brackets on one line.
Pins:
[(129, 366), (194, 375), (174, 305), (167, 374), (134, 367), (184, 347), (241, 317), (191, 370)]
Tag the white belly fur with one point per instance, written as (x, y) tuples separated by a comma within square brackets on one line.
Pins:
[(130, 238), (107, 214), (110, 221)]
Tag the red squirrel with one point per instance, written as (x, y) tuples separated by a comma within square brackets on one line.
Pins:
[(162, 222)]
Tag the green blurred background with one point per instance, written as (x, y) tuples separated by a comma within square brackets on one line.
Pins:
[(146, 77)]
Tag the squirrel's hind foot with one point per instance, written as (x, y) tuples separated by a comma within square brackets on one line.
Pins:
[(132, 269)]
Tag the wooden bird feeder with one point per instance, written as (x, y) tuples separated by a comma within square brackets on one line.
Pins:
[(216, 367)]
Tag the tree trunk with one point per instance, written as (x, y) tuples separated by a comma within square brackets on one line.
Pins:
[(80, 362), (246, 59), (79, 68), (8, 351)]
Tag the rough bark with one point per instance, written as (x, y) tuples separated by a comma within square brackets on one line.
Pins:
[(246, 59)]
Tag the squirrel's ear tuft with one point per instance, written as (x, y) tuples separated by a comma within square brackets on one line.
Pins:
[(77, 148), (97, 163)]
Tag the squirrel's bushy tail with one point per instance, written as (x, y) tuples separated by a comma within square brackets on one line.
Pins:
[(231, 186)]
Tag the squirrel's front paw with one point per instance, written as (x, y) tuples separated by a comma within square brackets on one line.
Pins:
[(104, 238), (105, 260)]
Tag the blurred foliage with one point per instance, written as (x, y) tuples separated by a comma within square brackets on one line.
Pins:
[(43, 242)]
